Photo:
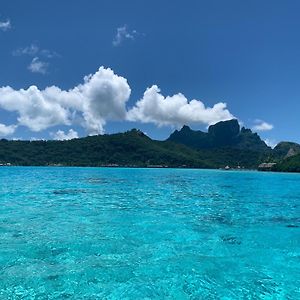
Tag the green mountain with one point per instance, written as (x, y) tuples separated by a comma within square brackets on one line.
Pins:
[(223, 145), (223, 134), (289, 164), (285, 150), (287, 157), (131, 148)]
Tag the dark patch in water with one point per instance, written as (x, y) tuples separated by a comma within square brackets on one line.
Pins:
[(58, 251), (281, 219), (69, 192), (105, 180), (292, 226), (232, 240), (249, 178), (52, 277), (17, 234), (220, 219), (97, 180), (227, 186)]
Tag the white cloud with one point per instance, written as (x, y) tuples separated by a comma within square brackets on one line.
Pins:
[(31, 50), (7, 130), (262, 126), (38, 66), (106, 96), (61, 135), (35, 111), (48, 53), (101, 97), (122, 35), (5, 25), (35, 50), (175, 110)]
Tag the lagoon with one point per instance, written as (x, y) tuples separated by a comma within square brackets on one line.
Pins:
[(117, 233)]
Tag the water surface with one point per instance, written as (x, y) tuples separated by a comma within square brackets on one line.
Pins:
[(99, 233)]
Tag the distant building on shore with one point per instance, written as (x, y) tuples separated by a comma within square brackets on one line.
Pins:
[(266, 166), (5, 164)]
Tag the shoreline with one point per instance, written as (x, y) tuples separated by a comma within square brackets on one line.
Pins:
[(151, 167)]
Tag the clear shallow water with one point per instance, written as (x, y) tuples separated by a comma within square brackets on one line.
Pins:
[(92, 233)]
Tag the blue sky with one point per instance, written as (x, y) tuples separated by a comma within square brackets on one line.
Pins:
[(165, 63)]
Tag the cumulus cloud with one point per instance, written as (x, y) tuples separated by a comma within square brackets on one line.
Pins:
[(101, 97), (6, 130), (5, 25), (38, 66), (61, 135), (175, 110), (262, 126), (35, 110), (123, 34)]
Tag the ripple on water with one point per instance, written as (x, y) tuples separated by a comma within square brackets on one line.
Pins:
[(93, 233)]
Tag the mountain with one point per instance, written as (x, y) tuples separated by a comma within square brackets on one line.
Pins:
[(221, 135), (224, 144), (190, 138), (286, 150), (289, 164), (287, 157), (132, 148)]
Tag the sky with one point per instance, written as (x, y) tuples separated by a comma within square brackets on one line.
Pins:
[(76, 68)]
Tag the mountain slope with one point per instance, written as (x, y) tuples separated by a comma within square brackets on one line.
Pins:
[(224, 144), (289, 164), (222, 134), (286, 149), (130, 148)]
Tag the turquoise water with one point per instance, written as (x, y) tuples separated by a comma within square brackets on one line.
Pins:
[(97, 233)]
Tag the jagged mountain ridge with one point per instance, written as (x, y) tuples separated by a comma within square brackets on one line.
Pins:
[(222, 134), (224, 144)]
